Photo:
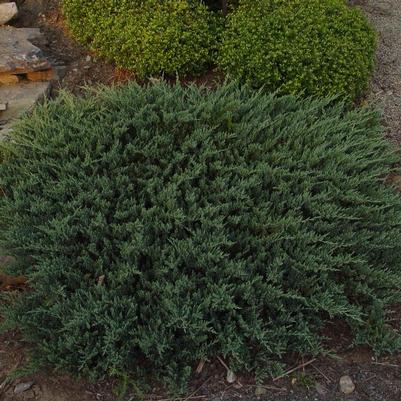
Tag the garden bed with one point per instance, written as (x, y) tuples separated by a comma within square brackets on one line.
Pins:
[(374, 379)]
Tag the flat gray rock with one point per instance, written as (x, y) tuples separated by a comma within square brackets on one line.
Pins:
[(17, 54), (20, 99), (21, 387)]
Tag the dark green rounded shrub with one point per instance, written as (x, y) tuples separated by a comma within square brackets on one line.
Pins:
[(315, 47), (163, 225), (149, 37)]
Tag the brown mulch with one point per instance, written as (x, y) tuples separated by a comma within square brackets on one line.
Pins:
[(375, 380)]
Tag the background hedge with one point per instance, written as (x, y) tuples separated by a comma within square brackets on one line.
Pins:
[(162, 225), (315, 47), (149, 37)]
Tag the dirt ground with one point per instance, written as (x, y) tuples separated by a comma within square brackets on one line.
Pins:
[(375, 380), (80, 67)]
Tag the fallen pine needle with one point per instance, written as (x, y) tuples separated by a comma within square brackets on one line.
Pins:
[(386, 364), (195, 397), (319, 371)]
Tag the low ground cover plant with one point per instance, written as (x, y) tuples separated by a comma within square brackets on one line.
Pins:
[(159, 226), (313, 47)]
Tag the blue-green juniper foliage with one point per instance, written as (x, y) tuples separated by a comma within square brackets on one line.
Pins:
[(163, 225)]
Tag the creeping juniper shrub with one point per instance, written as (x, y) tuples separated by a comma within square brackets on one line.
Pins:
[(161, 225), (314, 47), (149, 37)]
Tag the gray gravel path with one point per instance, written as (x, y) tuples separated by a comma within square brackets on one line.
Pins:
[(386, 86)]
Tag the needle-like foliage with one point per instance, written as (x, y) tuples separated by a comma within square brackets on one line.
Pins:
[(162, 225)]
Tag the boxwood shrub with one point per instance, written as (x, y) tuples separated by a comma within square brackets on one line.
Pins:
[(161, 225), (149, 37), (315, 47)]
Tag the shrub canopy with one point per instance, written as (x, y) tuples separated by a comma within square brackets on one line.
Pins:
[(163, 225), (315, 47), (149, 37)]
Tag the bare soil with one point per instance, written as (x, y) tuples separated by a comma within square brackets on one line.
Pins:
[(375, 380)]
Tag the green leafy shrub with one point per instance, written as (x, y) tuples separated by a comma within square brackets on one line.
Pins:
[(163, 225), (149, 37), (315, 47)]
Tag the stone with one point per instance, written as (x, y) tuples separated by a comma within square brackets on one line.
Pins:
[(20, 99), (259, 391), (5, 133), (231, 377), (347, 386), (3, 106), (21, 387), (17, 54), (8, 11)]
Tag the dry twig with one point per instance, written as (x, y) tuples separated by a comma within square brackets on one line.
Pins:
[(322, 374), (200, 366), (195, 397), (302, 365), (223, 363), (267, 387), (391, 365)]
